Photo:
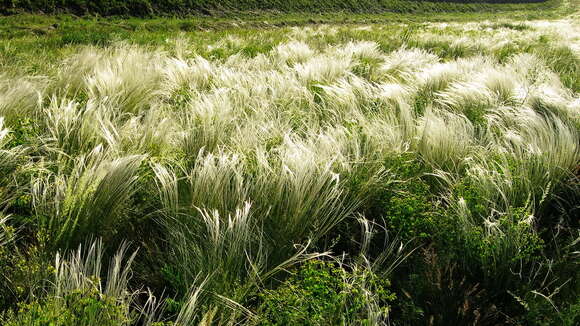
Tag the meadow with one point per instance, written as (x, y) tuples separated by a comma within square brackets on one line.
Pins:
[(286, 170)]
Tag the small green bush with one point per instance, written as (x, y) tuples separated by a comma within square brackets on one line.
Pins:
[(540, 311), (410, 210), (408, 207), (22, 132), (323, 293), (22, 272), (442, 292), (492, 249), (78, 308)]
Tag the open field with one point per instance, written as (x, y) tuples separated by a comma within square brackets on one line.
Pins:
[(291, 170)]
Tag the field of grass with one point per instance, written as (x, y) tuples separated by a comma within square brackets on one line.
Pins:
[(149, 8), (332, 169)]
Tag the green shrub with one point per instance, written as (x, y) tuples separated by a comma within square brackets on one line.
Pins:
[(408, 207), (511, 241), (540, 311), (410, 210), (440, 291), (78, 308), (23, 132), (323, 293), (22, 273)]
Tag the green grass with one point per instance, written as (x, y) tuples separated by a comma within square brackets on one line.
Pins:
[(213, 7)]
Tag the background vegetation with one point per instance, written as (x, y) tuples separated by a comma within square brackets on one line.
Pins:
[(181, 7)]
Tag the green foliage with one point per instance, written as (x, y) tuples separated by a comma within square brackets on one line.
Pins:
[(150, 7), (408, 206), (22, 273), (78, 308), (175, 279), (514, 26), (540, 311), (509, 241), (410, 210), (475, 112), (23, 132), (565, 63), (80, 36), (440, 291), (489, 242), (323, 293)]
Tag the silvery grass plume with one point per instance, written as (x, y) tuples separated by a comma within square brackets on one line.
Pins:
[(438, 76), (71, 127), (70, 77), (293, 52), (126, 78), (299, 191), (323, 68), (154, 133), (344, 99), (84, 270), (360, 50), (446, 140), (93, 196), (405, 62), (6, 235), (295, 190), (11, 160), (180, 76), (208, 121), (75, 128), (227, 251), (366, 57), (522, 165), (20, 97), (486, 90)]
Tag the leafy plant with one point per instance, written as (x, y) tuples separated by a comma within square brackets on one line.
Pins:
[(324, 293), (84, 307)]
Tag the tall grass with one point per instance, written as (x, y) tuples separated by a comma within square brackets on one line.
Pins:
[(90, 199), (229, 219), (20, 97), (12, 159), (83, 271), (5, 234)]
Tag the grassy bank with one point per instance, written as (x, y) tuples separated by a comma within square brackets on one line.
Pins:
[(212, 7)]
